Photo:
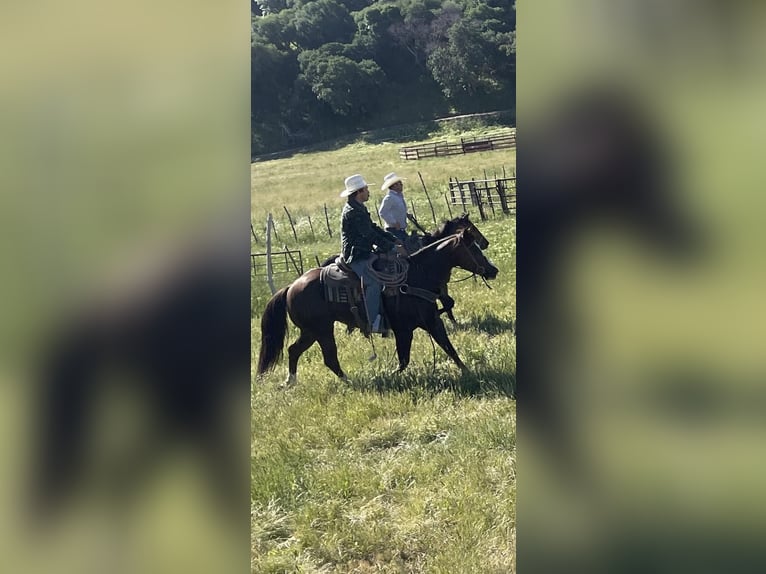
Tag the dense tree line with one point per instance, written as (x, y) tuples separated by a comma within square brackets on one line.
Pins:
[(323, 67)]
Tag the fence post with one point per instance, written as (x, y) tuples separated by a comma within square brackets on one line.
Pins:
[(290, 219), (269, 276), (501, 193), (449, 209), (431, 205), (290, 255), (252, 231), (311, 226), (489, 197), (327, 220), (475, 197)]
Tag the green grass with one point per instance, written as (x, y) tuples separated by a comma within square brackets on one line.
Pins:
[(387, 473)]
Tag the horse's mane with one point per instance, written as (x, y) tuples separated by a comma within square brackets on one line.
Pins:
[(441, 231), (444, 229), (426, 251)]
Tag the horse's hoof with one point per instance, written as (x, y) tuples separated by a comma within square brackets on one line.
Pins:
[(290, 381)]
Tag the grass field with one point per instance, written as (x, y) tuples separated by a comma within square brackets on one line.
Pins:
[(387, 473)]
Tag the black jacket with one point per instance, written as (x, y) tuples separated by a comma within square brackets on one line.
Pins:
[(358, 233)]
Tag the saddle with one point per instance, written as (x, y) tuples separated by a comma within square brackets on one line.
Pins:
[(342, 285)]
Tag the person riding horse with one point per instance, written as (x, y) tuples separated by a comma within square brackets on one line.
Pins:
[(415, 242), (393, 208), (359, 235)]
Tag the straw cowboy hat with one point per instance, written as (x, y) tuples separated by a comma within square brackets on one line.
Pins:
[(390, 180), (353, 183)]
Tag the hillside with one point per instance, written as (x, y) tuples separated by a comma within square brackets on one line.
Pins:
[(328, 67)]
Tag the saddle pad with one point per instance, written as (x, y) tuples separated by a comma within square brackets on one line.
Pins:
[(339, 286)]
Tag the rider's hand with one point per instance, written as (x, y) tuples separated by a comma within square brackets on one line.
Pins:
[(401, 250)]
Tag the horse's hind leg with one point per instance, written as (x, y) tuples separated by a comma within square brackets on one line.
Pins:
[(439, 333), (330, 353), (304, 341)]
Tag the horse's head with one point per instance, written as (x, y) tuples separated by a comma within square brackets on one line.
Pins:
[(467, 255), (473, 233), (463, 223)]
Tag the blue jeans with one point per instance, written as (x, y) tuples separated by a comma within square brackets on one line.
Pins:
[(371, 288)]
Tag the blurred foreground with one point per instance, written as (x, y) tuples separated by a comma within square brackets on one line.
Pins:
[(641, 432), (124, 379)]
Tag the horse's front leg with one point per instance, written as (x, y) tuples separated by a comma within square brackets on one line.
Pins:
[(447, 304), (403, 346), (435, 327)]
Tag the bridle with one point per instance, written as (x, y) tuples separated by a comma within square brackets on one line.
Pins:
[(467, 246), (473, 232)]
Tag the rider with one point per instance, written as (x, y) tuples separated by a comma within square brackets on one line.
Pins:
[(393, 208), (358, 234)]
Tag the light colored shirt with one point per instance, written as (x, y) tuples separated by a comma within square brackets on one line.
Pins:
[(393, 210)]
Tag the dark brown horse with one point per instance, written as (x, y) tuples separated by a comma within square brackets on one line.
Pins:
[(304, 301)]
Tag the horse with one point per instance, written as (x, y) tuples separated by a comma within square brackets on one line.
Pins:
[(414, 306), (449, 227)]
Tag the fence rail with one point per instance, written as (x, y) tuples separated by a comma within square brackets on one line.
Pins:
[(288, 261), (465, 145)]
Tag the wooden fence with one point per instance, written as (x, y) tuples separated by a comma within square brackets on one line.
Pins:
[(465, 145), (485, 194)]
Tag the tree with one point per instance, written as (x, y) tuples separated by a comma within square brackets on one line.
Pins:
[(349, 88), (271, 74), (459, 65), (276, 29), (270, 6), (321, 22)]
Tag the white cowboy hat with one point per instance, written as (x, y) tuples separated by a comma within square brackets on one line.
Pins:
[(390, 180), (353, 183)]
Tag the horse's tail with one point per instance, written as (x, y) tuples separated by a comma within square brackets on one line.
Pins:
[(273, 330)]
